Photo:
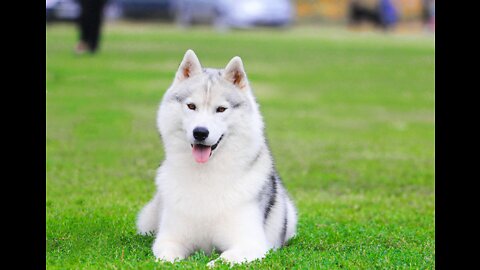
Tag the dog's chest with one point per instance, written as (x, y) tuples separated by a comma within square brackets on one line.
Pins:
[(207, 195), (201, 200)]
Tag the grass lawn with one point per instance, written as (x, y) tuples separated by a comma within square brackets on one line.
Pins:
[(349, 118)]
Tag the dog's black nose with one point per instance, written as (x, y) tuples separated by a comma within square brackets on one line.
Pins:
[(200, 133)]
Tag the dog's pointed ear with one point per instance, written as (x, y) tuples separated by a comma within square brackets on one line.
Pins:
[(189, 67), (235, 73)]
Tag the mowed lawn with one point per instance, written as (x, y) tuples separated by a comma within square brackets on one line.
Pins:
[(349, 118)]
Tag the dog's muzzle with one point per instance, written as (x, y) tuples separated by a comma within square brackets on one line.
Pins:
[(202, 152)]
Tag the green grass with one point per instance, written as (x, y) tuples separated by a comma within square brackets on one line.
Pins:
[(349, 118)]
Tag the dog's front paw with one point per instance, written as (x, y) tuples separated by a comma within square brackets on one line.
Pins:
[(147, 220), (168, 257), (237, 256), (168, 252)]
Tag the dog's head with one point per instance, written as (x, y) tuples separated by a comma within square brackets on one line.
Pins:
[(205, 108)]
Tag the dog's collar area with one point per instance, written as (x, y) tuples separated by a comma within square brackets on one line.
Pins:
[(213, 147)]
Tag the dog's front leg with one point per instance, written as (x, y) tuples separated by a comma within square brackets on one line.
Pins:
[(169, 245), (170, 251), (242, 237)]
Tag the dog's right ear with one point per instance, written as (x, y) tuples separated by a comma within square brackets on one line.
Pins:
[(189, 67)]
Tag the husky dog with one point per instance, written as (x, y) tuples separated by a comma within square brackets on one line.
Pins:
[(217, 187)]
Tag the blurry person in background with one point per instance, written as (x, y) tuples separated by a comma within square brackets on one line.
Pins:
[(428, 14), (361, 11), (388, 14), (379, 13), (90, 23)]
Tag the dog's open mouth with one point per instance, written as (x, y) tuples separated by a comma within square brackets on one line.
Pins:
[(202, 152)]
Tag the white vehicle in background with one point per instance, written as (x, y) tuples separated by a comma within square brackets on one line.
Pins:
[(233, 13), (62, 10), (69, 10)]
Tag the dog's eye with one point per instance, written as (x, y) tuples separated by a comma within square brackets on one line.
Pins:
[(221, 109), (191, 106)]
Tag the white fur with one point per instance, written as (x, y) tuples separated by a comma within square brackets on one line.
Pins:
[(213, 204)]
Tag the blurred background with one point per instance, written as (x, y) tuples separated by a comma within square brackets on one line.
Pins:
[(400, 15), (346, 89)]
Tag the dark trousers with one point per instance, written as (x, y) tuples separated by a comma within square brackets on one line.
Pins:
[(359, 13), (90, 22)]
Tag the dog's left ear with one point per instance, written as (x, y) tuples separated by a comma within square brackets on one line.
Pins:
[(235, 73)]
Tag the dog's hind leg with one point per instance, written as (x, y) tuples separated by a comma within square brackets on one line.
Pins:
[(149, 217), (292, 220)]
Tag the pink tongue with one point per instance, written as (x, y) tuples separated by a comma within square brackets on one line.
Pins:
[(201, 153)]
